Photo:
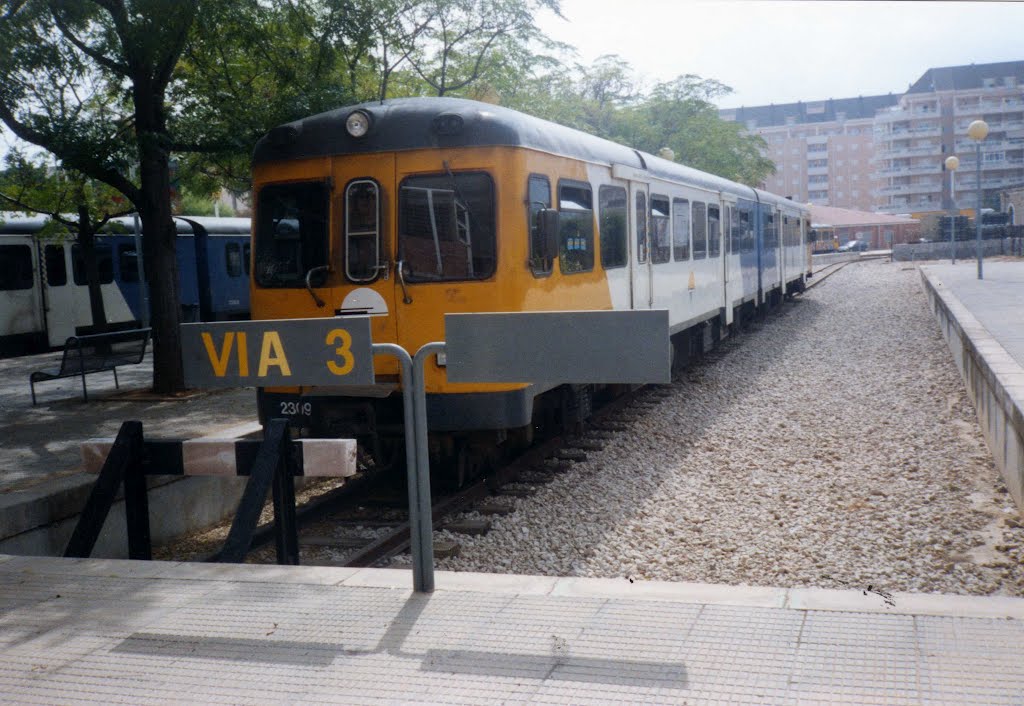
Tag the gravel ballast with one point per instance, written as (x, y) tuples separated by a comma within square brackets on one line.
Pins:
[(834, 446)]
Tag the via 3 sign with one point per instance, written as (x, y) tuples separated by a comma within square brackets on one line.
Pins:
[(278, 353)]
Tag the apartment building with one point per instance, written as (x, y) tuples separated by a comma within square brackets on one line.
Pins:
[(823, 150), (887, 153), (914, 137)]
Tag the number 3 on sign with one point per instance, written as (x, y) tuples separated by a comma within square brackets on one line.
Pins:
[(344, 352)]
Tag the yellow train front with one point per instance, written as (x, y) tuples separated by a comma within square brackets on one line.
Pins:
[(409, 209)]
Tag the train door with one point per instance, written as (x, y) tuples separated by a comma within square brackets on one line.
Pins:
[(364, 248), (728, 255), (641, 287), (59, 293)]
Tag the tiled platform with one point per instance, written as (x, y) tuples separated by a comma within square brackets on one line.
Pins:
[(133, 632)]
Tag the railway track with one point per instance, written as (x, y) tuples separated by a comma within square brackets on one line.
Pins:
[(829, 270), (365, 522)]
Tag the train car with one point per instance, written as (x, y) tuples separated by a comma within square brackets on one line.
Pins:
[(44, 297), (412, 208)]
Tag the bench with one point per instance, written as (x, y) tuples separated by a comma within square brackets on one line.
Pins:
[(95, 353)]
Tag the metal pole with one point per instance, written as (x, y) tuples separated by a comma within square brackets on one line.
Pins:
[(423, 461), (977, 215), (420, 583), (952, 219)]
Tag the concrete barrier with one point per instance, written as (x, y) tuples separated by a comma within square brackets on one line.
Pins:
[(994, 381)]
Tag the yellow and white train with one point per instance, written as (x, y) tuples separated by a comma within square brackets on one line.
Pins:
[(409, 209)]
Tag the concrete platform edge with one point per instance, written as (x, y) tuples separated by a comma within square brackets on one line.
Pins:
[(802, 599), (994, 380)]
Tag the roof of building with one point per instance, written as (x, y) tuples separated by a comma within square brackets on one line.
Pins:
[(832, 217), (958, 78), (810, 112)]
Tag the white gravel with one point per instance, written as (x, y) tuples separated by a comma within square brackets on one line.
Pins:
[(834, 447)]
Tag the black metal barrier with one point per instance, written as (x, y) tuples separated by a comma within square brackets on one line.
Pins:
[(129, 463)]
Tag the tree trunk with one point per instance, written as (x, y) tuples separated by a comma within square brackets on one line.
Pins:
[(161, 261)]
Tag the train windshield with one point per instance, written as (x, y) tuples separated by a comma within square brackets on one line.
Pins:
[(446, 227), (291, 233)]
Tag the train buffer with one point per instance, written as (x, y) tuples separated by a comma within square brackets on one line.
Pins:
[(270, 463)]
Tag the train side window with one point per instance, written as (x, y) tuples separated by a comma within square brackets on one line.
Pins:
[(233, 259), (641, 226), (362, 230), (246, 258), (714, 232), (539, 197), (16, 267), (104, 262), (576, 227), (771, 235), (700, 230), (56, 267), (746, 231), (291, 232), (128, 262), (614, 235), (446, 227), (661, 246), (680, 230), (734, 229)]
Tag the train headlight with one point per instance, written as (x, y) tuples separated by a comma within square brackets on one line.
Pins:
[(357, 123)]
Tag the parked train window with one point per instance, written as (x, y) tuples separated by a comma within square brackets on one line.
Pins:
[(291, 232), (246, 258), (233, 259), (680, 230), (128, 262), (746, 231), (539, 197), (661, 246), (614, 238), (446, 227), (576, 226), (771, 233), (56, 267), (104, 263), (700, 231), (714, 232), (16, 267), (734, 229), (641, 226), (362, 230)]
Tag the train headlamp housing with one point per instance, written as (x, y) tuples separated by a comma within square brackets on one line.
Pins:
[(357, 124)]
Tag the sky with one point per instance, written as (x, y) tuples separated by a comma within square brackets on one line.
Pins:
[(782, 52)]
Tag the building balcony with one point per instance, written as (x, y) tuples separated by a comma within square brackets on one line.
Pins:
[(904, 189), (882, 152), (910, 170)]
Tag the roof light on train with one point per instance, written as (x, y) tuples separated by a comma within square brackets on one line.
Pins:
[(357, 123)]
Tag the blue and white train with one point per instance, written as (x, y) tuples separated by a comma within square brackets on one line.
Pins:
[(44, 297)]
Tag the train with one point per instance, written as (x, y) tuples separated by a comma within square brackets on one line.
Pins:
[(44, 296), (408, 209)]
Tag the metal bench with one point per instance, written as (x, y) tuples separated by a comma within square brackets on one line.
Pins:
[(95, 353)]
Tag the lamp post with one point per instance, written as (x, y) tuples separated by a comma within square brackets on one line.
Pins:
[(952, 162), (977, 131)]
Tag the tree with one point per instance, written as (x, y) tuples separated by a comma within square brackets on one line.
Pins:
[(32, 185), (87, 81)]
